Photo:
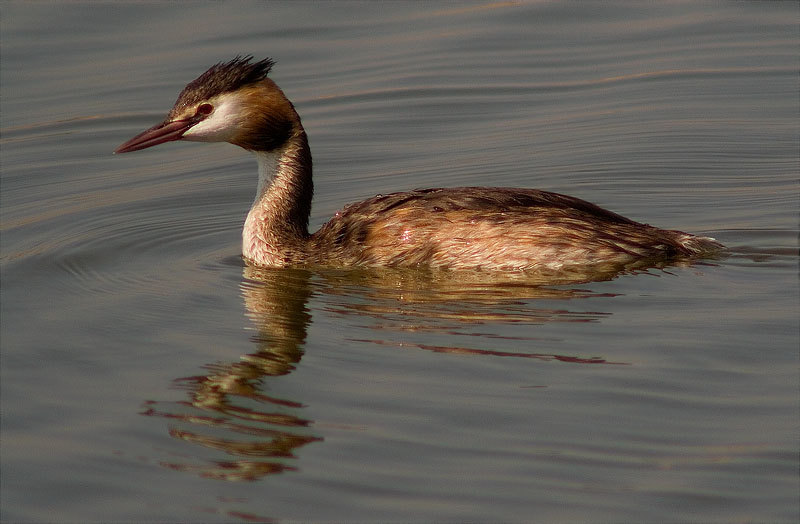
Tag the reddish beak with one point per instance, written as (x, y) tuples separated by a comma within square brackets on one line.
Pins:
[(158, 134)]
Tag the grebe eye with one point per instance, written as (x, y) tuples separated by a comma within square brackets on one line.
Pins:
[(204, 109)]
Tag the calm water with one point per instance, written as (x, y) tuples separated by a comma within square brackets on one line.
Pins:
[(147, 375)]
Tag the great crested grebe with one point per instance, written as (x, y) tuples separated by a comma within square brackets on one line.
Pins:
[(488, 228)]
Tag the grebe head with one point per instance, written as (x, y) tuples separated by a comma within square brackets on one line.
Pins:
[(231, 102)]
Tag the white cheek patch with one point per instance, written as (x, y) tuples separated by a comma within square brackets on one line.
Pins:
[(221, 126)]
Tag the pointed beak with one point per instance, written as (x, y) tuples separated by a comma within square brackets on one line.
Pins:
[(158, 134)]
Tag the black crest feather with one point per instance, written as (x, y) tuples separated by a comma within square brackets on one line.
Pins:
[(223, 78)]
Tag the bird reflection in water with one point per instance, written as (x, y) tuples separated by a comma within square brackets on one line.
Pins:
[(452, 303), (227, 410)]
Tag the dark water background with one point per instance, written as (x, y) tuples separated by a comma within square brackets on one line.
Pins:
[(148, 376)]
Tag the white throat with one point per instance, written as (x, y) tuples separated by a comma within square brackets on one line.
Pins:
[(257, 244), (276, 226), (268, 166)]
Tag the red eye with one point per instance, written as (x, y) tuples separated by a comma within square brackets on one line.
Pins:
[(204, 109)]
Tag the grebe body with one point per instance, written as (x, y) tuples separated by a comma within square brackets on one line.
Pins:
[(487, 228)]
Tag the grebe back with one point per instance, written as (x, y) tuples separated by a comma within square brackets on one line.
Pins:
[(456, 228)]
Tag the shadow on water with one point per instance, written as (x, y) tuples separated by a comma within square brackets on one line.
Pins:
[(227, 410)]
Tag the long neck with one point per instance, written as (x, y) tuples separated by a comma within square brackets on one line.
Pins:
[(276, 229)]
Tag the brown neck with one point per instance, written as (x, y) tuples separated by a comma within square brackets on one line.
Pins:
[(276, 229)]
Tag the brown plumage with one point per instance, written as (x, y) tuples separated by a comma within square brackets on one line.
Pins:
[(457, 228)]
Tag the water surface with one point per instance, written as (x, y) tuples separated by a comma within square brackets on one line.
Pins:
[(148, 375)]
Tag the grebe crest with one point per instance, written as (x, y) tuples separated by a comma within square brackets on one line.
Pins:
[(456, 228)]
